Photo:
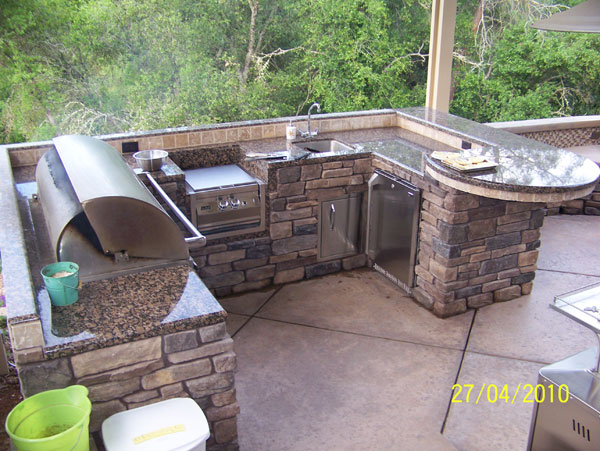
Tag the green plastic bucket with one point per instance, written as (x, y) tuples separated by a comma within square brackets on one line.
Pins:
[(62, 290), (53, 420)]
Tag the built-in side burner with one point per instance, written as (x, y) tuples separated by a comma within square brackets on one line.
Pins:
[(225, 200)]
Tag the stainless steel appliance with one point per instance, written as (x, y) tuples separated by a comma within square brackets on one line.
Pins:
[(339, 225), (98, 213), (566, 415), (225, 200), (392, 227)]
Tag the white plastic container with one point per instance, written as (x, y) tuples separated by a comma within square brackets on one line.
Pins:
[(290, 131), (173, 425)]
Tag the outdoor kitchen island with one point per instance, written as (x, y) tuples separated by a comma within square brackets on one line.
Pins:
[(477, 244), (478, 233)]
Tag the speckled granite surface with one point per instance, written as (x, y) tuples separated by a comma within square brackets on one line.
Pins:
[(528, 170), (467, 129), (20, 304), (281, 153), (128, 308), (524, 165), (400, 151), (401, 145), (215, 155), (108, 312)]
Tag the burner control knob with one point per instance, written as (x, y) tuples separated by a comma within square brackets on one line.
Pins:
[(223, 204), (234, 202)]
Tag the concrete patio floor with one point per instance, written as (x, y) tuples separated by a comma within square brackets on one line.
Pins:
[(346, 361)]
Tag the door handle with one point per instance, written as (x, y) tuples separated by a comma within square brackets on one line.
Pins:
[(332, 215)]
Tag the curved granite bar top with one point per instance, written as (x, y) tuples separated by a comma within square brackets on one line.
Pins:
[(127, 308), (523, 174), (527, 170)]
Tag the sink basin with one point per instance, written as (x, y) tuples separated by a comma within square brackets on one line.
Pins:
[(323, 145)]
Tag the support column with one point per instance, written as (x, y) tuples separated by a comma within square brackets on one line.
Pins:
[(441, 46)]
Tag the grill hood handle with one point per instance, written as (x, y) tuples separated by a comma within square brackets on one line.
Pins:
[(198, 240)]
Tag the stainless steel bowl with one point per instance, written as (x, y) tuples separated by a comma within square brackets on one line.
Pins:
[(151, 160)]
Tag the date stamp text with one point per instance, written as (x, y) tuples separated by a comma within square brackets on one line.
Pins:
[(525, 393)]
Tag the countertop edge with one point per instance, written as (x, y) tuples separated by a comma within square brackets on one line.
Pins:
[(438, 118), (509, 192), (18, 285), (66, 350)]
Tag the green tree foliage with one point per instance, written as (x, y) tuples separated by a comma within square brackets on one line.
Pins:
[(356, 59), (105, 66), (510, 71), (101, 66)]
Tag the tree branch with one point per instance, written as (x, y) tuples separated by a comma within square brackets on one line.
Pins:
[(251, 40)]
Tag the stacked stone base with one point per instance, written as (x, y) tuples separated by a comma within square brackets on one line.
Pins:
[(569, 138), (475, 251), (589, 205), (197, 363)]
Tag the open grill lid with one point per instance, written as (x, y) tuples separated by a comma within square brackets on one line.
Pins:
[(92, 200)]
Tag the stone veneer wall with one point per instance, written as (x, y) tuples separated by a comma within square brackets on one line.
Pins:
[(290, 253), (473, 251), (589, 205), (197, 363)]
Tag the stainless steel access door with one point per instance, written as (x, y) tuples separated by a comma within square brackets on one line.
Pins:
[(339, 226), (393, 221)]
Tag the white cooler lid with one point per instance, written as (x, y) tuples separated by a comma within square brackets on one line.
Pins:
[(165, 425)]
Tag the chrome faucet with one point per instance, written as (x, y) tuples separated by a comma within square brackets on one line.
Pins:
[(308, 133)]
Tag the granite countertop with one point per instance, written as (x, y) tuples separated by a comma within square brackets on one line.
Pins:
[(468, 130), (127, 308), (527, 169), (280, 152), (401, 146), (171, 299), (524, 165)]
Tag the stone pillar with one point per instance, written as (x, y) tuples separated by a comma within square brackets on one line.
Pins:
[(474, 250)]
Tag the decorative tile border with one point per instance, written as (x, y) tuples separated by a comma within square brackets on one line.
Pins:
[(219, 134)]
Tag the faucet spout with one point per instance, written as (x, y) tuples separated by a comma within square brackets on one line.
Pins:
[(309, 133)]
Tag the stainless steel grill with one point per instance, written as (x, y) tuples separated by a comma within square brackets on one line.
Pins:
[(100, 215), (225, 200), (571, 420)]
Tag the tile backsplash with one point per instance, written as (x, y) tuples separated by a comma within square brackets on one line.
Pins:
[(221, 134)]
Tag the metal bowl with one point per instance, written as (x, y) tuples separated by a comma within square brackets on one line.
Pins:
[(151, 160)]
